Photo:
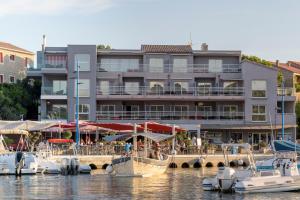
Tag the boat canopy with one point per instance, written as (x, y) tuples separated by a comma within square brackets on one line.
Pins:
[(156, 137), (13, 132)]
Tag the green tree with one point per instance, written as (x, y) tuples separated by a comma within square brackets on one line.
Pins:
[(257, 60), (103, 46)]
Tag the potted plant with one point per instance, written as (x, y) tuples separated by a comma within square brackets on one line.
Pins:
[(67, 135), (263, 146)]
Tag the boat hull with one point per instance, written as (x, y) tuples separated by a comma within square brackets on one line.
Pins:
[(141, 167)]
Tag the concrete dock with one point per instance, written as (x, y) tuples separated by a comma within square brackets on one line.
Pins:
[(177, 161)]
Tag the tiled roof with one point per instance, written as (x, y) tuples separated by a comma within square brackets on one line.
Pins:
[(9, 46), (294, 63), (166, 48), (289, 68)]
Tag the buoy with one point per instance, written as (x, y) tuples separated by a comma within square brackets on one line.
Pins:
[(109, 169)]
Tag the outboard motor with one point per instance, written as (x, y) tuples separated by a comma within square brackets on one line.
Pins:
[(19, 162), (74, 166), (65, 166), (226, 179)]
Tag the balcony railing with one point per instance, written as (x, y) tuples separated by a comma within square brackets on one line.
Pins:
[(55, 65), (168, 115), (286, 92), (51, 91), (190, 91), (169, 68)]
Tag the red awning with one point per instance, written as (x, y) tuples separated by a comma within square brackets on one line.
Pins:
[(161, 128), (60, 141), (116, 126)]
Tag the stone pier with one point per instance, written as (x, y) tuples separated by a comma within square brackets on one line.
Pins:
[(178, 161)]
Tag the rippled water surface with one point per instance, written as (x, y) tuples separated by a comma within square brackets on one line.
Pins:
[(175, 184)]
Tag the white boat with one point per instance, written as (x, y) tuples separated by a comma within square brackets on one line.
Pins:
[(146, 163), (18, 163), (227, 176), (284, 178)]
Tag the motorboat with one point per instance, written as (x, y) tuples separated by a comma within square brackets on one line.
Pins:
[(142, 163), (285, 177), (18, 163), (227, 176)]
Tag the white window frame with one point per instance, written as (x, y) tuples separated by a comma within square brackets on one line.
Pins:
[(265, 81), (180, 67), (83, 113), (215, 65), (76, 61), (154, 65), (259, 114)]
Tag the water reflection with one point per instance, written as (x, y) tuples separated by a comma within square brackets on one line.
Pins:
[(175, 184)]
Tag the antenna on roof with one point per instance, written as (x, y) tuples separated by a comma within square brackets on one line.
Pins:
[(44, 42), (190, 42)]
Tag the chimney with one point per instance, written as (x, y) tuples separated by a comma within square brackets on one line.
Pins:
[(44, 43), (277, 63), (204, 47)]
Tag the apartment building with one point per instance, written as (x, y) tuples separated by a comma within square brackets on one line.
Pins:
[(14, 62), (211, 91)]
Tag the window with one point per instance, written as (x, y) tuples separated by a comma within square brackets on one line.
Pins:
[(105, 111), (180, 65), (1, 57), (119, 65), (11, 57), (156, 65), (104, 87), (155, 111), (83, 112), (83, 88), (55, 61), (205, 111), (157, 87), (11, 79), (229, 111), (60, 87), (181, 111), (215, 65), (1, 78), (203, 88), (132, 87), (258, 113), (181, 87), (259, 88), (83, 61), (58, 111)]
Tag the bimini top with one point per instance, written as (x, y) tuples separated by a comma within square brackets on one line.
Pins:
[(156, 137), (13, 132)]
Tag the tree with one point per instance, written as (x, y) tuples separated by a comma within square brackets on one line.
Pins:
[(20, 100), (257, 60), (103, 46)]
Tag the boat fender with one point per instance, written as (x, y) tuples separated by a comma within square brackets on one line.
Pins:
[(109, 169)]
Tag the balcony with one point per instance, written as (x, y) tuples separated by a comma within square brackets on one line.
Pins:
[(168, 68), (51, 93), (115, 92), (168, 115), (55, 67), (288, 93)]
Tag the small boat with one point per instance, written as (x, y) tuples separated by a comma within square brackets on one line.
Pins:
[(143, 164), (227, 176), (284, 178)]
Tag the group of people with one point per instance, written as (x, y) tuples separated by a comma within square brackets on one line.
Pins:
[(153, 152)]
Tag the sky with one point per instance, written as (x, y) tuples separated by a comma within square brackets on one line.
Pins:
[(266, 28)]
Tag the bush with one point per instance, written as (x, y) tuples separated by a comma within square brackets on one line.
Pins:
[(67, 134)]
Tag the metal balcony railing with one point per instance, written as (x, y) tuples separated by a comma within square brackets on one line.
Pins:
[(161, 91), (52, 91), (168, 115), (168, 68), (286, 92), (55, 65)]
